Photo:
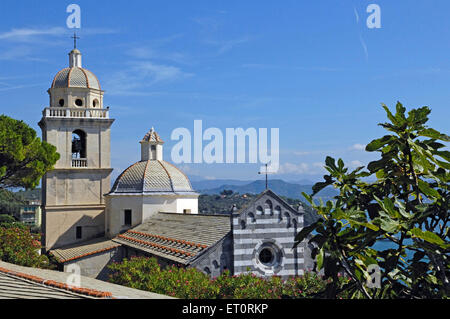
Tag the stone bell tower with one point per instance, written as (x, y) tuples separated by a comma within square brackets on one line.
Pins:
[(79, 126)]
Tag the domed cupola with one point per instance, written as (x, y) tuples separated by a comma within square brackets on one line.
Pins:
[(76, 86), (152, 174)]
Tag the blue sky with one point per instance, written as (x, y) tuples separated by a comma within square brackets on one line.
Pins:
[(310, 68)]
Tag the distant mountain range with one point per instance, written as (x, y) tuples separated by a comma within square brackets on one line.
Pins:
[(291, 190)]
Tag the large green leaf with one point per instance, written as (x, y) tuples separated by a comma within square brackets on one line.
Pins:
[(305, 232), (429, 132), (379, 143), (428, 190), (427, 236), (320, 259)]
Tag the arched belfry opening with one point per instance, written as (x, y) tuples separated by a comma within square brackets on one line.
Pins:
[(78, 144)]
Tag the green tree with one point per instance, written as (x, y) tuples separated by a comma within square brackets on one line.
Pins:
[(24, 158), (7, 221), (407, 205)]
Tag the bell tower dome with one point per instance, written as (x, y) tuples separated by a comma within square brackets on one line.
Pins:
[(79, 126), (75, 86)]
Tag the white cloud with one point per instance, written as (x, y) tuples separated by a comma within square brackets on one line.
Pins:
[(227, 45), (301, 168), (27, 33), (299, 153), (158, 72), (358, 147), (355, 164), (146, 53), (142, 74), (318, 165)]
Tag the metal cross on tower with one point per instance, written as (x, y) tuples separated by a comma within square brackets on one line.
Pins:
[(266, 173), (75, 40)]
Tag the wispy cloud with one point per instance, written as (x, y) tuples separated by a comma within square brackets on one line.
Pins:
[(25, 44), (358, 147), (209, 28), (25, 34), (301, 168), (10, 88), (355, 164), (361, 40), (143, 75), (227, 45), (147, 53), (263, 66), (29, 34)]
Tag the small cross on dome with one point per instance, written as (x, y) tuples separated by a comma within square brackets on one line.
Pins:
[(75, 40)]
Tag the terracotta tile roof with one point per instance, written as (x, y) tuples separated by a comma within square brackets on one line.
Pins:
[(80, 250), (177, 237), (19, 282), (15, 284)]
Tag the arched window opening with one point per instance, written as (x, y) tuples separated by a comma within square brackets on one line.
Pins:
[(95, 103), (61, 102), (78, 144), (79, 102), (259, 210)]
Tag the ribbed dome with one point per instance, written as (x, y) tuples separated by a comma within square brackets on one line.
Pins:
[(76, 77), (152, 176)]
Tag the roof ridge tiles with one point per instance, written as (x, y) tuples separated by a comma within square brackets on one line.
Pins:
[(59, 285), (147, 243), (86, 254), (185, 242)]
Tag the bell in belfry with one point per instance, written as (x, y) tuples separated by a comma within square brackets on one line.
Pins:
[(76, 146)]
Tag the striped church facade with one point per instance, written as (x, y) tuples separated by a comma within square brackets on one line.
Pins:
[(263, 237)]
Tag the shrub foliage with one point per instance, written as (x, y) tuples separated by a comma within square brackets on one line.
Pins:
[(145, 274), (18, 246)]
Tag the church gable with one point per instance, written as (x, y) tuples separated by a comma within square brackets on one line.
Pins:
[(263, 237)]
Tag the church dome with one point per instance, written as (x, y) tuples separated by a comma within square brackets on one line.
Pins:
[(76, 77), (152, 176)]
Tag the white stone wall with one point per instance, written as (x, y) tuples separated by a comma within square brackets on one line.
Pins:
[(115, 213), (187, 203), (143, 207), (70, 95)]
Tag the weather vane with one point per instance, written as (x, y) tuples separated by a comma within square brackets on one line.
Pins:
[(75, 40)]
